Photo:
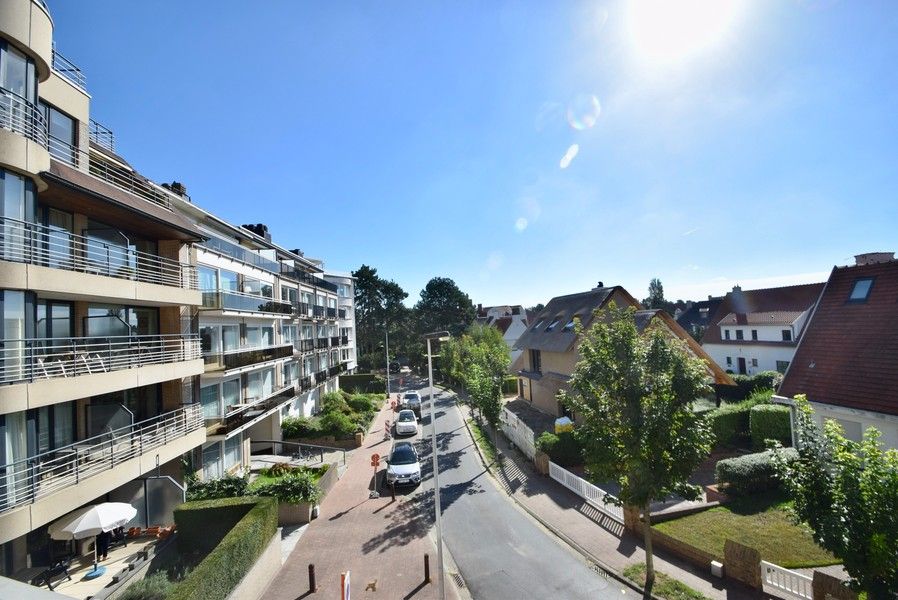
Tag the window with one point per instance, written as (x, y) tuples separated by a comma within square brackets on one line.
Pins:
[(726, 334), (211, 402), (253, 337), (230, 337), (536, 365), (754, 334), (553, 324), (289, 294), (740, 335), (17, 76), (538, 324), (570, 324), (208, 278), (782, 365), (729, 361), (703, 312), (290, 373), (210, 339), (61, 127), (229, 281), (754, 362), (861, 290), (787, 335), (232, 453), (212, 461)]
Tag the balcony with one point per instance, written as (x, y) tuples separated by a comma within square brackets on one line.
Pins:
[(241, 254), (224, 300), (255, 410), (344, 340), (66, 68), (29, 360), (321, 376), (336, 370), (305, 383), (341, 313), (20, 116), (307, 278), (304, 345), (331, 313), (42, 246), (302, 309), (321, 343), (101, 135), (93, 463), (335, 341), (244, 358), (318, 311)]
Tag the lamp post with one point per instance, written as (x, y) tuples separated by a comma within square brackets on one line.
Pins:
[(387, 356), (438, 336)]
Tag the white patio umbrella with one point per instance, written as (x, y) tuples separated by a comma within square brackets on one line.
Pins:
[(90, 521)]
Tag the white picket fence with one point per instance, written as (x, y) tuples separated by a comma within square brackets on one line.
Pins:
[(517, 431), (592, 494), (792, 583)]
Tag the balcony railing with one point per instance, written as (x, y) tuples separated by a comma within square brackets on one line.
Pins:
[(302, 309), (224, 300), (126, 179), (344, 340), (244, 358), (335, 341), (252, 410), (101, 135), (307, 278), (305, 383), (35, 359), (20, 116), (321, 343), (68, 69), (331, 313), (241, 254), (341, 313), (43, 246), (25, 481), (318, 311), (336, 370), (321, 376), (304, 345)]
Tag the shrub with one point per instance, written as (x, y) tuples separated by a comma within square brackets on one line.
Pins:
[(334, 402), (564, 449), (750, 473), (360, 403), (337, 424), (277, 470), (152, 587), (228, 561), (363, 382), (746, 384), (770, 422), (730, 422), (296, 487), (228, 486), (510, 385), (299, 427)]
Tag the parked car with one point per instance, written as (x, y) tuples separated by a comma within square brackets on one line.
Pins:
[(412, 401), (394, 367), (403, 467), (406, 422)]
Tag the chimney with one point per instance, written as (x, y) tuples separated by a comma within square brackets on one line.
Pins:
[(871, 258), (736, 288), (178, 188), (260, 229)]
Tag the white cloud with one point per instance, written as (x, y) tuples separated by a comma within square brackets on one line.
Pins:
[(691, 231), (569, 156), (520, 224)]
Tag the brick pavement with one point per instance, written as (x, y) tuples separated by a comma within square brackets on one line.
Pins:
[(372, 538)]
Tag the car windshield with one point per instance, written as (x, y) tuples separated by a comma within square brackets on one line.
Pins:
[(411, 396), (403, 455), (406, 416)]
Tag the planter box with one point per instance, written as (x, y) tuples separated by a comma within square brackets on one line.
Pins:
[(294, 514)]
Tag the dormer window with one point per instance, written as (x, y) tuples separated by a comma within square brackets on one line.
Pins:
[(552, 324), (861, 290), (570, 324), (538, 324)]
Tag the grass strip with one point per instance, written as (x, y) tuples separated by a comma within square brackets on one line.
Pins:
[(483, 441), (665, 586)]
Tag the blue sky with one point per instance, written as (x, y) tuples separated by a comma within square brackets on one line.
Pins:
[(749, 142)]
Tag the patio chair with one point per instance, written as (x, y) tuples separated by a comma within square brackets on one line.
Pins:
[(46, 577)]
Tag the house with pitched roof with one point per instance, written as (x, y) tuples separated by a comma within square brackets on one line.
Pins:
[(697, 316), (550, 346), (845, 362), (758, 330), (510, 320)]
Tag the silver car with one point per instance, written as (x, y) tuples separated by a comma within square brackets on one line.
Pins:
[(403, 467), (412, 401)]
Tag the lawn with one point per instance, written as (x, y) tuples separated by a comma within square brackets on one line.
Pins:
[(483, 441), (265, 477), (665, 586), (761, 521)]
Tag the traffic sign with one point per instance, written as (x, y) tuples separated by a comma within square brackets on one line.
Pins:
[(375, 460)]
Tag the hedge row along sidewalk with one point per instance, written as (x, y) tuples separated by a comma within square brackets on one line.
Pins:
[(575, 522)]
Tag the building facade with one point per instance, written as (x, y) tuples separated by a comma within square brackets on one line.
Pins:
[(510, 320)]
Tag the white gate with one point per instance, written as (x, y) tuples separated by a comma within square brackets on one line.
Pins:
[(592, 494), (792, 583), (518, 432)]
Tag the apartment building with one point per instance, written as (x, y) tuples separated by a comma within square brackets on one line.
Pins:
[(346, 317), (139, 331), (100, 356)]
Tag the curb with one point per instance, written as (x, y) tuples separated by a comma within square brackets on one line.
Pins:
[(605, 569)]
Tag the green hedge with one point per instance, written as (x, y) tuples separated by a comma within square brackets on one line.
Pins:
[(227, 486), (731, 423), (251, 523), (770, 422), (749, 473), (563, 448), (510, 385), (747, 384), (367, 383)]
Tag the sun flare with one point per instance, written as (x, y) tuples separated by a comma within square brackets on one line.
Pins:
[(667, 31)]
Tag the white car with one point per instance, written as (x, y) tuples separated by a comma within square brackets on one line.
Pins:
[(403, 467), (406, 422)]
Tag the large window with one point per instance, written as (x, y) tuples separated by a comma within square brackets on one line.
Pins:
[(62, 130), (289, 294), (211, 402), (212, 461), (536, 361), (106, 320), (290, 372), (208, 277), (232, 453), (16, 209), (230, 281), (17, 75), (260, 384), (230, 338)]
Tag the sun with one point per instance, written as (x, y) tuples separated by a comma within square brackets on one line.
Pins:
[(671, 31)]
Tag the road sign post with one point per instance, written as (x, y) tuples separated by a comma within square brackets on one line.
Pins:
[(344, 586), (375, 462)]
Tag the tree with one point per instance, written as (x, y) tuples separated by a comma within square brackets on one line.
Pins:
[(444, 307), (633, 395), (848, 493), (537, 308), (379, 309)]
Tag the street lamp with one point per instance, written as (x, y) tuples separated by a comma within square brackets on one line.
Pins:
[(439, 336), (387, 355)]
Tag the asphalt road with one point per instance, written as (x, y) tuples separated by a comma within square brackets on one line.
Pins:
[(500, 551)]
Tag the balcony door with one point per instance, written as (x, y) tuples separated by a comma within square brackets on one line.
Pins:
[(16, 213)]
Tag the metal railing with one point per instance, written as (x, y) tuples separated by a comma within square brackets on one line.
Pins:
[(304, 345), (302, 309), (58, 249), (68, 69), (101, 135), (792, 583), (245, 357), (592, 494), (299, 449), (321, 376), (305, 383), (36, 359), (226, 300), (127, 180), (241, 254), (27, 480), (335, 340), (341, 313), (255, 409), (317, 310), (321, 343), (331, 313), (20, 116), (302, 277)]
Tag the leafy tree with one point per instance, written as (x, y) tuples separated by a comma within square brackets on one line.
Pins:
[(379, 309), (848, 493), (656, 295), (443, 306), (633, 395), (537, 308)]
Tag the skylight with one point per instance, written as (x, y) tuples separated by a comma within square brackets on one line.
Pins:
[(570, 324), (552, 325), (538, 324), (861, 290)]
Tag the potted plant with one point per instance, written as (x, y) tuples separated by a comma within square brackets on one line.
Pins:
[(297, 493)]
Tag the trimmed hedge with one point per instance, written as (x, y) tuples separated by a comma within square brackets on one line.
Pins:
[(367, 383), (563, 448), (227, 486), (770, 422), (510, 385), (750, 473), (747, 384), (731, 423), (248, 522)]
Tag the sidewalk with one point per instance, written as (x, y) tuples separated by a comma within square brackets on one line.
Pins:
[(375, 539), (600, 539)]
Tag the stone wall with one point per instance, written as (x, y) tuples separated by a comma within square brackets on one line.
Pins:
[(742, 563), (827, 587)]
